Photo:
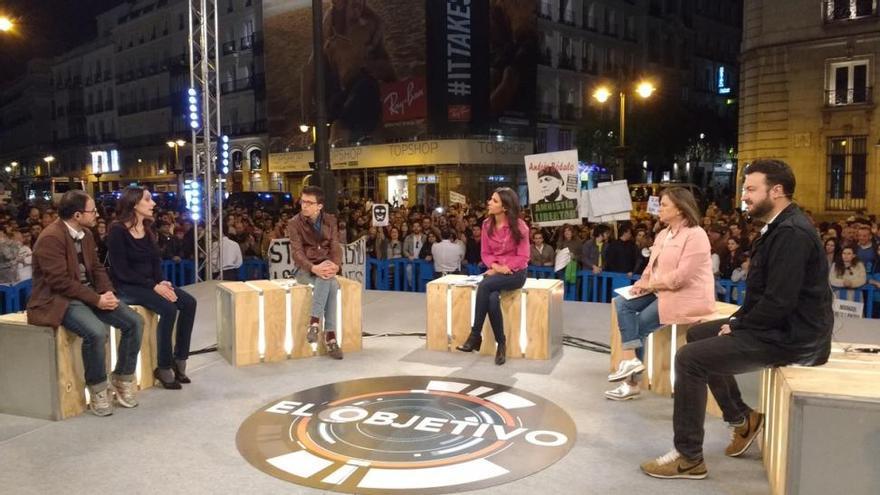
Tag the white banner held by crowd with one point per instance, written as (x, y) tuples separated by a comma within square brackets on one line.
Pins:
[(554, 187), (280, 261), (654, 205), (354, 260)]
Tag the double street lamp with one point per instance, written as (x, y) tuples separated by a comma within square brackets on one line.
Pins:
[(643, 89), (6, 24)]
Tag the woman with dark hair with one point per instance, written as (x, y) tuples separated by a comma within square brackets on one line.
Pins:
[(832, 250), (677, 286), (505, 250), (847, 272), (732, 259), (137, 276)]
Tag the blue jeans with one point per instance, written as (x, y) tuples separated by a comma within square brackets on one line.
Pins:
[(489, 302), (636, 318), (323, 297), (183, 311), (92, 325)]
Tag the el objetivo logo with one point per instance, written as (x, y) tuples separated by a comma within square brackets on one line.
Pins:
[(413, 435)]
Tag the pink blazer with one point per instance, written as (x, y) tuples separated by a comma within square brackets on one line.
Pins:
[(683, 276)]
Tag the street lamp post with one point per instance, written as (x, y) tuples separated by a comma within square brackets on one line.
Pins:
[(322, 145), (178, 170), (644, 89), (49, 159)]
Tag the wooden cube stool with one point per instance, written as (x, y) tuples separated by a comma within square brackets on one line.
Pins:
[(659, 353), (266, 320), (41, 368), (820, 428), (532, 317)]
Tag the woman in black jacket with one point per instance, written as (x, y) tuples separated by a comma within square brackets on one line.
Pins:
[(137, 276)]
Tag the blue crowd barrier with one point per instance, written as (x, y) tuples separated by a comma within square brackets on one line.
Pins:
[(253, 269), (179, 273)]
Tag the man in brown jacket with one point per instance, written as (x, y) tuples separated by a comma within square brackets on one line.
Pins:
[(314, 246), (71, 288)]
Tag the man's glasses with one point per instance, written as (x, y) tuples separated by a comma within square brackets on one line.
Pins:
[(306, 202), (89, 211)]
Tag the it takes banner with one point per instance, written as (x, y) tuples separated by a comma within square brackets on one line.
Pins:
[(458, 63)]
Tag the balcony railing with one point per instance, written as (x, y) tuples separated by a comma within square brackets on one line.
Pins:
[(246, 128), (848, 10), (843, 97), (229, 47), (545, 57)]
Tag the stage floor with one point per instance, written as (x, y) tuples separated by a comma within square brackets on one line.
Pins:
[(184, 441)]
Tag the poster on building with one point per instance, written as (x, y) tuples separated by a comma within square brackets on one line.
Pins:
[(374, 52), (380, 215), (354, 260), (554, 187)]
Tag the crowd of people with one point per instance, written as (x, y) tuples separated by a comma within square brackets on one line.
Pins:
[(451, 239)]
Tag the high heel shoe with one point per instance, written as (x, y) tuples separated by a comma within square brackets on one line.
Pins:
[(473, 343), (172, 385), (501, 354), (180, 372)]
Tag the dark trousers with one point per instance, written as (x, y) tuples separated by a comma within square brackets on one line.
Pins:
[(184, 311), (710, 359), (92, 325), (489, 302)]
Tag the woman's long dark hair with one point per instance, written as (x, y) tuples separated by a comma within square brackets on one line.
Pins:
[(125, 214), (839, 267), (510, 202)]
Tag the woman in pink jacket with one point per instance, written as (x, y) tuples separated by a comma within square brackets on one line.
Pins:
[(677, 286), (505, 250)]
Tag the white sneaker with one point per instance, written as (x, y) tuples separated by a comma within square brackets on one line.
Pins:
[(624, 391), (100, 403), (625, 369)]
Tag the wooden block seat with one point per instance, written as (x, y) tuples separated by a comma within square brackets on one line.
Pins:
[(532, 317), (41, 368), (659, 353), (822, 424), (266, 320)]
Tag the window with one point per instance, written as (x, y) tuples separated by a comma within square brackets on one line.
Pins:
[(629, 28), (591, 17), (847, 172), (844, 10), (180, 22), (541, 140), (848, 83), (565, 139)]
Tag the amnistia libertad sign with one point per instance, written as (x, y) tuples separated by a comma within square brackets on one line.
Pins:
[(413, 435)]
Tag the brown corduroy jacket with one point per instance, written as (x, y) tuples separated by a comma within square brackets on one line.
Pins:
[(56, 275)]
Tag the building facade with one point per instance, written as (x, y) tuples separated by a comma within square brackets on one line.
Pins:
[(807, 98), (115, 102), (686, 48)]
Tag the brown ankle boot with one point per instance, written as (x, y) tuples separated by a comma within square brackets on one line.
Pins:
[(473, 343)]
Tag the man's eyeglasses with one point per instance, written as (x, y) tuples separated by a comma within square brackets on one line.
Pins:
[(89, 211), (306, 202)]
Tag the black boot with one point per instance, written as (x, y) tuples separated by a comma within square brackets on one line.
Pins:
[(179, 368), (501, 354), (473, 343)]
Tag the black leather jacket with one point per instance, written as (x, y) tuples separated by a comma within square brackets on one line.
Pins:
[(788, 299)]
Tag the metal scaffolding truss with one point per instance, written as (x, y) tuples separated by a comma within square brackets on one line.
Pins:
[(204, 64)]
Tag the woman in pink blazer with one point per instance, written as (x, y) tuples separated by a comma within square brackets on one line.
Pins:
[(677, 286)]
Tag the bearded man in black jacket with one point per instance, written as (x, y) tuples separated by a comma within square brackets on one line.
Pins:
[(786, 318)]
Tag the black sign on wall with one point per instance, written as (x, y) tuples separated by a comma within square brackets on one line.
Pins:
[(458, 65)]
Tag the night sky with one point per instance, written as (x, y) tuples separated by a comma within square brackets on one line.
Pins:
[(46, 28)]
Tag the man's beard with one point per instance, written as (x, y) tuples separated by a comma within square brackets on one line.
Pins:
[(761, 209)]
